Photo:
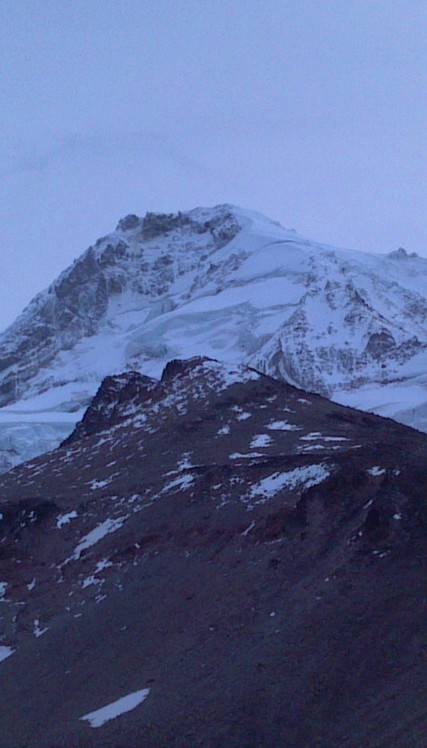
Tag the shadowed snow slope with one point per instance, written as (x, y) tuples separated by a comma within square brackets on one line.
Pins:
[(216, 558), (226, 283)]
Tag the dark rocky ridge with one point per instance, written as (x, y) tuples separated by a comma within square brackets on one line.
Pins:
[(269, 591), (115, 400)]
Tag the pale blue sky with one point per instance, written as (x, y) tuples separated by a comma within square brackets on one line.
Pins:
[(310, 111)]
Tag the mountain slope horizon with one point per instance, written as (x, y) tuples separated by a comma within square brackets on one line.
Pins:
[(247, 557)]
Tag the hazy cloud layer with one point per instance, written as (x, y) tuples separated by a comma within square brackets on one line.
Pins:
[(311, 112)]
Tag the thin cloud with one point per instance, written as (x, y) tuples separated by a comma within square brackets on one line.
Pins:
[(21, 159)]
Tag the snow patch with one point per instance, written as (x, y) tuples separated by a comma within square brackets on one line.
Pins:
[(5, 652), (223, 430), (243, 416), (89, 581), (92, 579), (185, 461), (64, 519), (376, 471), (183, 482), (248, 529), (116, 708), (316, 435), (95, 535), (307, 476), (283, 426), (37, 630), (94, 484), (261, 440), (237, 455)]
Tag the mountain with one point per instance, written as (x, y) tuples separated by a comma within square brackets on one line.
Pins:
[(220, 559), (226, 283)]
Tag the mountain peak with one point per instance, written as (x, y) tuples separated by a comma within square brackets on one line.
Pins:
[(154, 224), (129, 222), (401, 254), (226, 283)]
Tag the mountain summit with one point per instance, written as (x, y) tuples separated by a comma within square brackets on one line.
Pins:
[(226, 283)]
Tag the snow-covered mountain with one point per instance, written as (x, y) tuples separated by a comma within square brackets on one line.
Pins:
[(227, 283)]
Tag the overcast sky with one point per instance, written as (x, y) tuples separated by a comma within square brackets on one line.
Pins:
[(310, 111)]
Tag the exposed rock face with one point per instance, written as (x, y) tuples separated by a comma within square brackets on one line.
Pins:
[(250, 556), (117, 398), (402, 254), (54, 321), (74, 305)]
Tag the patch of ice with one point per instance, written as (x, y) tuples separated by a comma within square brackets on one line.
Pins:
[(116, 708), (3, 586), (31, 585), (64, 519)]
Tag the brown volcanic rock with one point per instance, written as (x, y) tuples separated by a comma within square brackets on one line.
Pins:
[(253, 555)]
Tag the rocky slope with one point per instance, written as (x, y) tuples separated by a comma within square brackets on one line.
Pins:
[(222, 282), (244, 561)]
